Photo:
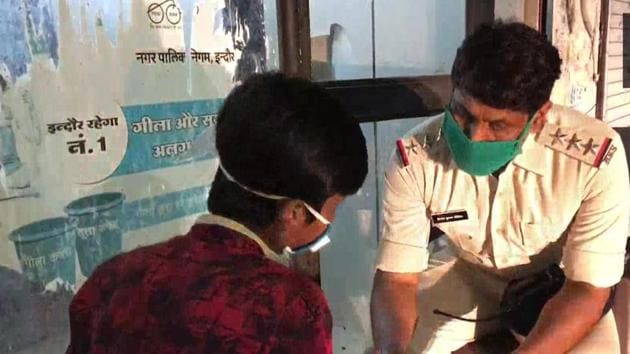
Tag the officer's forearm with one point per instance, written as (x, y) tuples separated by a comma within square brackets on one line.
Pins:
[(566, 319), (393, 310)]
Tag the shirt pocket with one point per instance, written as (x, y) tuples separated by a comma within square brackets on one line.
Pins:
[(536, 236)]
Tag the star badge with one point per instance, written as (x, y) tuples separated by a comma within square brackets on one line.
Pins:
[(590, 147), (557, 137), (574, 142)]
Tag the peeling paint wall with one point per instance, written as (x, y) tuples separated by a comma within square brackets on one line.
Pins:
[(575, 32), (107, 110), (576, 35)]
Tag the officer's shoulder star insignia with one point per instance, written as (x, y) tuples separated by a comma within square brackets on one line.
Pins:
[(573, 142), (578, 143), (590, 147), (557, 137)]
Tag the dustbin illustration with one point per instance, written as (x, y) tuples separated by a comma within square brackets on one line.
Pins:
[(46, 251), (8, 151), (98, 220)]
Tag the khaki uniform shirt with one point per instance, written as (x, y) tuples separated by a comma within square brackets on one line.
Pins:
[(564, 198)]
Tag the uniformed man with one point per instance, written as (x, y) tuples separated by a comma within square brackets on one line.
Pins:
[(516, 184)]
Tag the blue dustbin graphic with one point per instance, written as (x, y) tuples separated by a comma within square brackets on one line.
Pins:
[(46, 250), (98, 220), (8, 151)]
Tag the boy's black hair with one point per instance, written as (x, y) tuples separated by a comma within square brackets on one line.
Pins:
[(288, 137)]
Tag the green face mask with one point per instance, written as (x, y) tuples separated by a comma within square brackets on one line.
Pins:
[(479, 158)]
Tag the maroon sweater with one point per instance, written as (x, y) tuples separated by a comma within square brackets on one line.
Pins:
[(210, 291)]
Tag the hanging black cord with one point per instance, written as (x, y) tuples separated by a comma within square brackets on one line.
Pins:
[(485, 319)]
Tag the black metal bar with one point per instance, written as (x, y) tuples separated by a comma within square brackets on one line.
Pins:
[(375, 100), (295, 60), (478, 12), (549, 20), (372, 11), (600, 102), (294, 37), (542, 16)]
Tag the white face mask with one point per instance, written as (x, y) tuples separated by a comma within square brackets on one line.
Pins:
[(311, 247)]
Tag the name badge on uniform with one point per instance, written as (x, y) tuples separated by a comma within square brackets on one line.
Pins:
[(449, 216)]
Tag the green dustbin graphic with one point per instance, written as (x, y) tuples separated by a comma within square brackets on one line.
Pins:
[(46, 250), (98, 220)]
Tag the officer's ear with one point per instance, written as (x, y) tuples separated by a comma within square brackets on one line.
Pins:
[(540, 119)]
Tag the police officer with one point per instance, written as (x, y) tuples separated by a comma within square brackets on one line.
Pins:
[(516, 184)]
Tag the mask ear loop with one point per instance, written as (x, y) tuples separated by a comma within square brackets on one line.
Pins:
[(316, 214), (312, 210), (526, 130), (251, 190)]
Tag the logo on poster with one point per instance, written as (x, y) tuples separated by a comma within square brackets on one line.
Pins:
[(165, 14)]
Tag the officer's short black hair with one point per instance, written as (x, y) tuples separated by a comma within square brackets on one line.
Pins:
[(288, 137), (507, 66)]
